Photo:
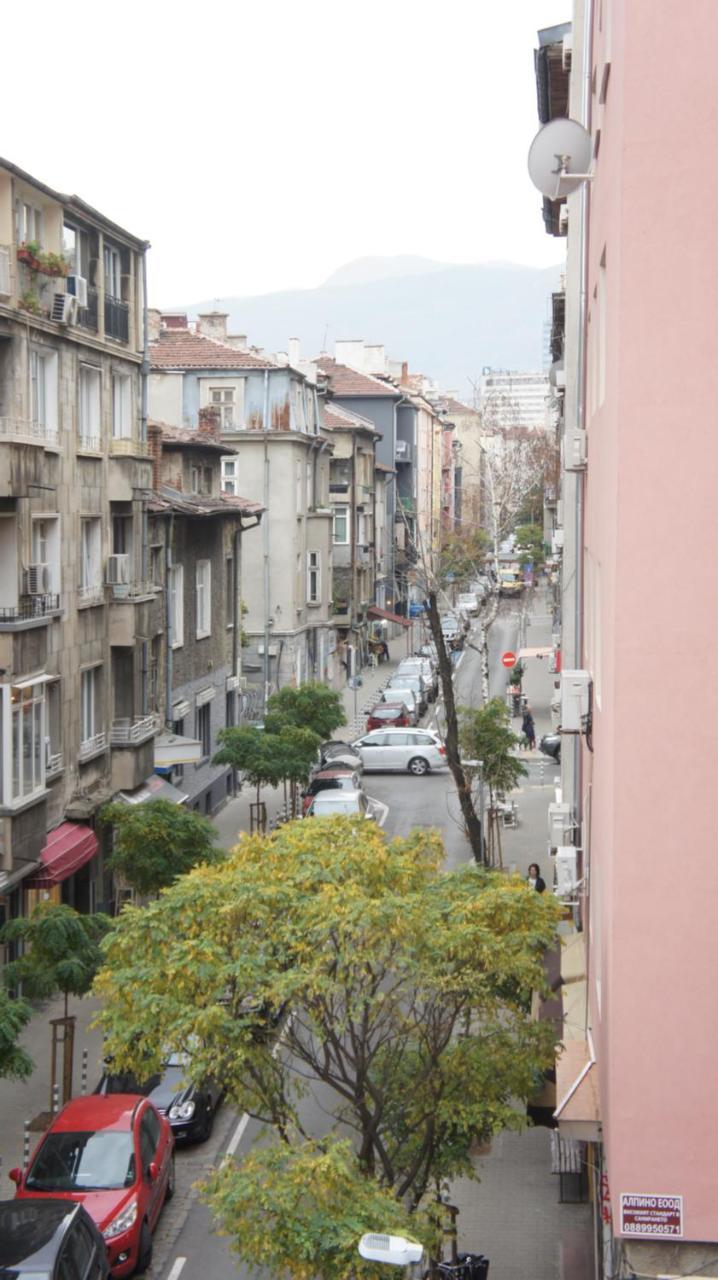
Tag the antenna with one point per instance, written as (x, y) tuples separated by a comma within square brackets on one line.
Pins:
[(559, 157)]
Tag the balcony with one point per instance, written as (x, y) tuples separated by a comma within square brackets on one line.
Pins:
[(87, 316), (127, 447), (92, 593), (117, 319), (132, 731), (93, 746), (24, 431), (30, 611), (87, 443), (54, 765)]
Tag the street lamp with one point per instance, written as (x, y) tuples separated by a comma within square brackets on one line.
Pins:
[(394, 1250), (479, 764)]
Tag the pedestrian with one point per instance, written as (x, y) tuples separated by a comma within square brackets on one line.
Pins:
[(528, 729), (385, 651), (534, 878)]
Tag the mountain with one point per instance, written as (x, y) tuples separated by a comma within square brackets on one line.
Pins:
[(363, 270), (446, 321)]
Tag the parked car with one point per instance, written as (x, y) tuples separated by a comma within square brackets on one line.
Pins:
[(44, 1239), (393, 715), (337, 755), (452, 633), (411, 680), (408, 697), (428, 650), (468, 603), (190, 1108), (346, 803), (413, 750), (550, 744), (426, 669), (115, 1155), (330, 780)]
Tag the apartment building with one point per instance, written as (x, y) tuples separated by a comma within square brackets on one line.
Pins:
[(270, 416), (510, 398), (468, 473), (74, 472), (633, 828), (352, 493)]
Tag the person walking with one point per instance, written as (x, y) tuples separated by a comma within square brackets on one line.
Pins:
[(534, 878), (528, 729)]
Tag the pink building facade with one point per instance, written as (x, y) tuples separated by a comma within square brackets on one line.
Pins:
[(638, 1082)]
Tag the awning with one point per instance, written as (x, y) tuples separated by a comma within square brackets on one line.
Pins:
[(66, 849), (375, 612), (172, 749), (536, 653), (154, 788), (577, 1109)]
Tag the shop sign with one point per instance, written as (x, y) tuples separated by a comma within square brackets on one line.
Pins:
[(651, 1216)]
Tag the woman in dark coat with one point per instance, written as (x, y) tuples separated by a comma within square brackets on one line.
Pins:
[(534, 878), (528, 728)]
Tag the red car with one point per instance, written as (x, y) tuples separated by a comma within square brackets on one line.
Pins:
[(388, 715), (115, 1155)]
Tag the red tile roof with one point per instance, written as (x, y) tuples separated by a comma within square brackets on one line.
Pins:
[(338, 419), (457, 406), (199, 504), (345, 381), (183, 349), (192, 438)]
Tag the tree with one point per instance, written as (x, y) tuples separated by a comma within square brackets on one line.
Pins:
[(310, 706), (409, 991), (530, 537), (486, 735), (62, 951), (15, 1062), (157, 841), (462, 555), (279, 753)]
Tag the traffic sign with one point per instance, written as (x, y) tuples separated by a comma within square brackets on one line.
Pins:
[(508, 659)]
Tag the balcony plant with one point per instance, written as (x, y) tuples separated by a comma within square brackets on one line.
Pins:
[(30, 301), (29, 253), (37, 259)]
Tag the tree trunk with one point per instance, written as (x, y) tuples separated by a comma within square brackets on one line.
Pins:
[(453, 753)]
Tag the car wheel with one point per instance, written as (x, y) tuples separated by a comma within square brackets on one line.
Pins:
[(209, 1123), (145, 1252), (418, 766), (170, 1188)]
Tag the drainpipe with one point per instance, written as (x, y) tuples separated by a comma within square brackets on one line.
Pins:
[(265, 540), (169, 656), (394, 584), (144, 397)]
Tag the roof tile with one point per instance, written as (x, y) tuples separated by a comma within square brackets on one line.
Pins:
[(183, 349)]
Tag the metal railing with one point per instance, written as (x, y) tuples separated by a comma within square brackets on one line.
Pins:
[(54, 764), (129, 591), (117, 318), (128, 731), (93, 593), (91, 746), (25, 431), (29, 607), (129, 447), (87, 316), (89, 443)]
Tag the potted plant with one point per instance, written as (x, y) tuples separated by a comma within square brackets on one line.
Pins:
[(30, 301), (29, 253), (52, 264)]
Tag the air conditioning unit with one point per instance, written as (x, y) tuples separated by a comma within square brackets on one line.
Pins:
[(567, 52), (37, 579), (575, 455), (566, 871), (559, 823), (64, 308), (118, 570), (575, 700), (77, 286)]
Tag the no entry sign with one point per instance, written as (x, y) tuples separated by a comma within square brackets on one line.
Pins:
[(508, 658)]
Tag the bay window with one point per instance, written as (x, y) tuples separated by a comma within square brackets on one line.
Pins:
[(22, 720)]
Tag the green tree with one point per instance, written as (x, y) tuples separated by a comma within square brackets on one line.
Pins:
[(463, 555), (15, 1062), (61, 951), (157, 841), (279, 753), (486, 734), (530, 537), (409, 991), (310, 706)]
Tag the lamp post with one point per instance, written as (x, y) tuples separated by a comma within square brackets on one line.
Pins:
[(394, 1250)]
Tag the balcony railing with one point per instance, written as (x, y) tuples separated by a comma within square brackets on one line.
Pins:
[(132, 590), (29, 607), (24, 431), (88, 443), (54, 764), (87, 316), (93, 593), (117, 319), (128, 447), (129, 732), (92, 746)]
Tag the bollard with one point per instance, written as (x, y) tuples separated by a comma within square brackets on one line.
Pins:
[(26, 1144), (55, 1099), (83, 1073)]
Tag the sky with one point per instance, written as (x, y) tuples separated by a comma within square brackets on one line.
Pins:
[(259, 147)]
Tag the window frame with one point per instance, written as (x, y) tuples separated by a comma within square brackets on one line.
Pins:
[(122, 425), (202, 714), (90, 703), (314, 577), (176, 575), (90, 585), (89, 407), (228, 482), (203, 599), (341, 510)]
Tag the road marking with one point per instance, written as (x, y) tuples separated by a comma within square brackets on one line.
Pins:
[(234, 1143), (177, 1266)]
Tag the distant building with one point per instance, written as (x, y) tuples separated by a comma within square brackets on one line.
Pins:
[(509, 398)]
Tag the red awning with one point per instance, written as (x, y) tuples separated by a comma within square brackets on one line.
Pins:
[(66, 849), (375, 612)]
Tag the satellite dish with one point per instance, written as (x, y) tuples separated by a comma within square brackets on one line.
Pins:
[(559, 157)]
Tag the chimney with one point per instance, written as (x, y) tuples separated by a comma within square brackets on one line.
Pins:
[(154, 440), (213, 324), (174, 319), (154, 324), (237, 340), (208, 424), (294, 352), (350, 351), (375, 358), (404, 373)]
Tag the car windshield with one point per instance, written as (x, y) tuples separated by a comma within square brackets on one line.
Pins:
[(103, 1161), (335, 804), (387, 713)]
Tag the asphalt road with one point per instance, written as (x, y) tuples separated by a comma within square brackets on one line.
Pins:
[(186, 1247)]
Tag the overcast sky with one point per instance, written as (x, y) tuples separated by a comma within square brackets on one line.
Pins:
[(261, 146)]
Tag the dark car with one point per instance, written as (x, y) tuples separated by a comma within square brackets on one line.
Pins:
[(190, 1109), (388, 714), (330, 780), (47, 1239), (338, 755), (550, 744)]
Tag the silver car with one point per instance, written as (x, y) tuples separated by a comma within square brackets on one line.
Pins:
[(414, 751), (347, 803)]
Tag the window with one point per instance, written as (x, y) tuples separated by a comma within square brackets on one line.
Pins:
[(157, 559), (76, 249), (121, 406), (27, 708), (177, 605), (113, 271), (43, 388), (223, 400), (153, 684), (91, 731), (195, 479), (53, 721), (90, 559), (178, 729), (314, 577), (229, 589), (46, 548), (28, 223), (204, 603), (202, 728), (89, 407), (341, 525), (229, 475), (121, 535), (229, 709)]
